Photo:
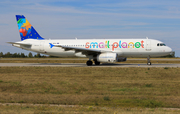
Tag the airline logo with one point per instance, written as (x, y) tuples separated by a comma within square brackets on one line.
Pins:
[(115, 44), (24, 27), (26, 30)]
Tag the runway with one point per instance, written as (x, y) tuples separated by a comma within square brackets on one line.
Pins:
[(77, 59), (84, 65)]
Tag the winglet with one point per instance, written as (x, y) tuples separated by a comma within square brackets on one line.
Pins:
[(51, 45)]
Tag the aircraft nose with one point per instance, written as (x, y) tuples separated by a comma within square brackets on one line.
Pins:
[(168, 49)]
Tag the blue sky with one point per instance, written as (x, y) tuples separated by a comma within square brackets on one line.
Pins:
[(65, 19)]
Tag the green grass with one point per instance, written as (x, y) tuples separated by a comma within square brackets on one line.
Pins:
[(91, 86)]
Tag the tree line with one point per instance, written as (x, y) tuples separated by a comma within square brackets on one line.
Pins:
[(21, 55)]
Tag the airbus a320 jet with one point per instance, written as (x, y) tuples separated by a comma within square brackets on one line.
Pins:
[(98, 50)]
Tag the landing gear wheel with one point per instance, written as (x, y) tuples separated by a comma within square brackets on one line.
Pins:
[(148, 60), (97, 63), (149, 63), (89, 63)]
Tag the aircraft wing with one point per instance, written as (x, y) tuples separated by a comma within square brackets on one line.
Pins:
[(25, 44), (78, 49)]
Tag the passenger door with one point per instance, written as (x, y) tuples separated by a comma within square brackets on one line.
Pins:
[(148, 45)]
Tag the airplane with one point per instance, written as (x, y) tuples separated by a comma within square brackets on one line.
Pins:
[(98, 50)]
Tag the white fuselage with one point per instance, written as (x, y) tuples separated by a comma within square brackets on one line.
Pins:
[(123, 47)]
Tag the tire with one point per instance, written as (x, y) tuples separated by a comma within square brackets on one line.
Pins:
[(97, 63), (149, 63), (89, 63)]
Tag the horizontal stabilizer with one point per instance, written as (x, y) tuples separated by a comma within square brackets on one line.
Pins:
[(27, 44)]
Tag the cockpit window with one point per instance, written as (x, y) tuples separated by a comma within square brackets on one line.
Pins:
[(161, 44)]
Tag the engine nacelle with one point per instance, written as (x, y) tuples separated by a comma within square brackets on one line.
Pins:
[(107, 57), (121, 59)]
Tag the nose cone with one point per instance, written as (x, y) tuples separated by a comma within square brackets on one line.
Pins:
[(168, 49)]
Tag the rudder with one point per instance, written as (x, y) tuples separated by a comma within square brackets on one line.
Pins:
[(26, 30)]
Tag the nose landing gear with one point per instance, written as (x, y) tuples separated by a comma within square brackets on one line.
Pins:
[(148, 60)]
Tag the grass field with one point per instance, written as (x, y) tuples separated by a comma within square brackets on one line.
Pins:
[(91, 86), (46, 109), (83, 60)]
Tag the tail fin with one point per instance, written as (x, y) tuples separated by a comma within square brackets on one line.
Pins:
[(26, 30)]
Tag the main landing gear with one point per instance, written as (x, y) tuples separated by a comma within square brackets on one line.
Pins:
[(89, 63), (97, 63), (148, 60)]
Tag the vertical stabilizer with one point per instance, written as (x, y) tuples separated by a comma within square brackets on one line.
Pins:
[(26, 30)]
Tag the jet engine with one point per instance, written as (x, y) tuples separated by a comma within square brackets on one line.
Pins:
[(107, 57), (110, 58)]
